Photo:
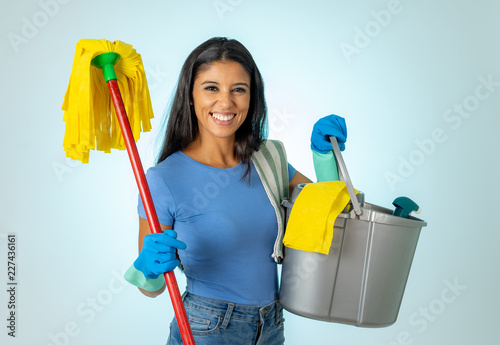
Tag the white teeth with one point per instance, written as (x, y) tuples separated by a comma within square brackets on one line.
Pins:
[(223, 117)]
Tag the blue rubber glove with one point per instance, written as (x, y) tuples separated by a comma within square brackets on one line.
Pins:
[(324, 128), (158, 254)]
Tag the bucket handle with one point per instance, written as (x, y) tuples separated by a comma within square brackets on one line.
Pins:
[(344, 175)]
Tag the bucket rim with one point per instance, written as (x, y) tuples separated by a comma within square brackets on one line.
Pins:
[(378, 214)]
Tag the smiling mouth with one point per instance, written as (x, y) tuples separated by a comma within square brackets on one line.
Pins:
[(222, 117)]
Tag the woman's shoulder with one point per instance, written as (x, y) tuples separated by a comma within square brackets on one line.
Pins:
[(169, 165), (173, 159)]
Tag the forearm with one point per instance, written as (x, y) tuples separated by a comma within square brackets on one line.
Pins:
[(298, 179), (153, 294)]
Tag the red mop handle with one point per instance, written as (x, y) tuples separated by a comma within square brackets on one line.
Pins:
[(154, 224)]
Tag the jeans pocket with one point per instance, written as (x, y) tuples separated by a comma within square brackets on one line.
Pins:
[(203, 323)]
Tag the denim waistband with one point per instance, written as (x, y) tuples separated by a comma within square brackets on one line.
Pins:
[(231, 310)]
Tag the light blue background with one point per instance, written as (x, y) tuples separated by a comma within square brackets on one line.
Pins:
[(76, 224)]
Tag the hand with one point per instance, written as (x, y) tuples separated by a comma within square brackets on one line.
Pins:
[(158, 254), (326, 127)]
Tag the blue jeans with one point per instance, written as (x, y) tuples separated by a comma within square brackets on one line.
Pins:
[(218, 322)]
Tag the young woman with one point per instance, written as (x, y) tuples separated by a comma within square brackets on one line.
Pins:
[(217, 219)]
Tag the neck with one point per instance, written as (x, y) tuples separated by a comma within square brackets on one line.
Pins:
[(216, 152)]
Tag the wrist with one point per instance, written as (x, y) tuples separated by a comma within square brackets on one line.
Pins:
[(153, 294)]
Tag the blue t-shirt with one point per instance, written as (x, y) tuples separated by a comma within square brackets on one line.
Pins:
[(229, 228)]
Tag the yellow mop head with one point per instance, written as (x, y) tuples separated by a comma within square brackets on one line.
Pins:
[(90, 118)]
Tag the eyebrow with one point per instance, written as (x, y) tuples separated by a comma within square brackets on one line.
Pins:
[(214, 82)]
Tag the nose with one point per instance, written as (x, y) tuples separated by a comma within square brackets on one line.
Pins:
[(224, 99)]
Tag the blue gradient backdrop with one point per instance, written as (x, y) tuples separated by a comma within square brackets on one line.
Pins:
[(417, 81)]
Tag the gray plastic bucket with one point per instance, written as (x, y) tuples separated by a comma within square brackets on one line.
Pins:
[(362, 280)]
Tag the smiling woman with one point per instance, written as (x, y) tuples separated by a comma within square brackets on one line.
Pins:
[(216, 55), (221, 99), (215, 130)]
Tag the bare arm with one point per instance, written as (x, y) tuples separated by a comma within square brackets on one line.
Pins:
[(144, 230), (297, 179)]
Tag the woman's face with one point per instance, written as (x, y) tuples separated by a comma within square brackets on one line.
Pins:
[(221, 98)]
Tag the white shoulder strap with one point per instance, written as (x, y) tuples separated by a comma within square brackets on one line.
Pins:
[(272, 166)]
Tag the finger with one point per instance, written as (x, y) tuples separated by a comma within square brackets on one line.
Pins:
[(152, 238), (159, 249), (170, 233), (176, 243), (170, 242), (166, 267), (162, 240), (162, 258)]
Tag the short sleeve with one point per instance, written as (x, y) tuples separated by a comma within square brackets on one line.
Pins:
[(291, 172), (162, 199)]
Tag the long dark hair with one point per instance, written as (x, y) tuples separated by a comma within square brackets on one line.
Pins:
[(182, 127)]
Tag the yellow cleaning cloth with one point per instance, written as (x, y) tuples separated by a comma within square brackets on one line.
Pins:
[(310, 225), (91, 122)]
